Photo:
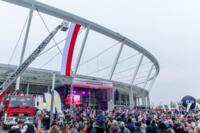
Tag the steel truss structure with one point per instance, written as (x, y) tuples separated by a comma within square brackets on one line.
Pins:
[(91, 26)]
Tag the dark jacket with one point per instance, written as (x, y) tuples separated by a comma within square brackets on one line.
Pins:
[(14, 130), (93, 130), (100, 130), (162, 131), (154, 128), (130, 127), (149, 129), (124, 130), (138, 130)]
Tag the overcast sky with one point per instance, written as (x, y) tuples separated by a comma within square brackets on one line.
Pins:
[(169, 29)]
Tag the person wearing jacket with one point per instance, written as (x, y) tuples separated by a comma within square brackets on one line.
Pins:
[(17, 128), (114, 127), (138, 127), (149, 128), (123, 129), (130, 125)]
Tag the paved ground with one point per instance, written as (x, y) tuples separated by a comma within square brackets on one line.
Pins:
[(2, 131)]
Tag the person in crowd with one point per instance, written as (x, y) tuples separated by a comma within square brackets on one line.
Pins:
[(114, 127), (39, 117), (17, 128), (81, 128), (30, 129), (46, 121), (123, 129), (65, 129), (154, 126), (162, 127), (149, 128), (197, 130), (100, 121), (130, 125), (170, 130), (93, 130), (138, 127), (55, 129), (75, 128)]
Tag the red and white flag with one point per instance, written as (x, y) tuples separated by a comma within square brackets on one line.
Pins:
[(69, 48)]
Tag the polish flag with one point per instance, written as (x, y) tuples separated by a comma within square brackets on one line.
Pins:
[(69, 49)]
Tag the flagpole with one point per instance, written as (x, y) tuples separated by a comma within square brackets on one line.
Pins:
[(71, 91), (52, 98)]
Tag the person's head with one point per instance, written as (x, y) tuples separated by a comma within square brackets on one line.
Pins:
[(138, 124), (65, 129), (81, 126), (114, 123), (129, 120), (54, 129), (122, 124), (109, 123), (170, 130), (197, 130), (148, 122), (162, 125), (153, 121), (20, 123), (76, 125)]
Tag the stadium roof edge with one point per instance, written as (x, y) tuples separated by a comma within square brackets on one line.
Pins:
[(84, 22)]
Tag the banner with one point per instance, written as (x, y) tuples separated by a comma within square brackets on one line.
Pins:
[(189, 106), (57, 102), (69, 48), (92, 84), (177, 106)]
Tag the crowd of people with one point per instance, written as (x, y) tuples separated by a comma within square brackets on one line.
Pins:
[(80, 120)]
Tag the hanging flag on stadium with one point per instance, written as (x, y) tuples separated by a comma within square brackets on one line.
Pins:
[(69, 48)]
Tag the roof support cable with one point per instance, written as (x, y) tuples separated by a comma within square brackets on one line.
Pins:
[(117, 73), (99, 70), (129, 57), (48, 30), (16, 45), (53, 46), (92, 58), (130, 68), (50, 60), (106, 67)]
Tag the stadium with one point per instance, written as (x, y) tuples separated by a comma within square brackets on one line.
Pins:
[(119, 73)]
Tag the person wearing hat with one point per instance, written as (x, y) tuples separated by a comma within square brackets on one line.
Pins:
[(162, 127)]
